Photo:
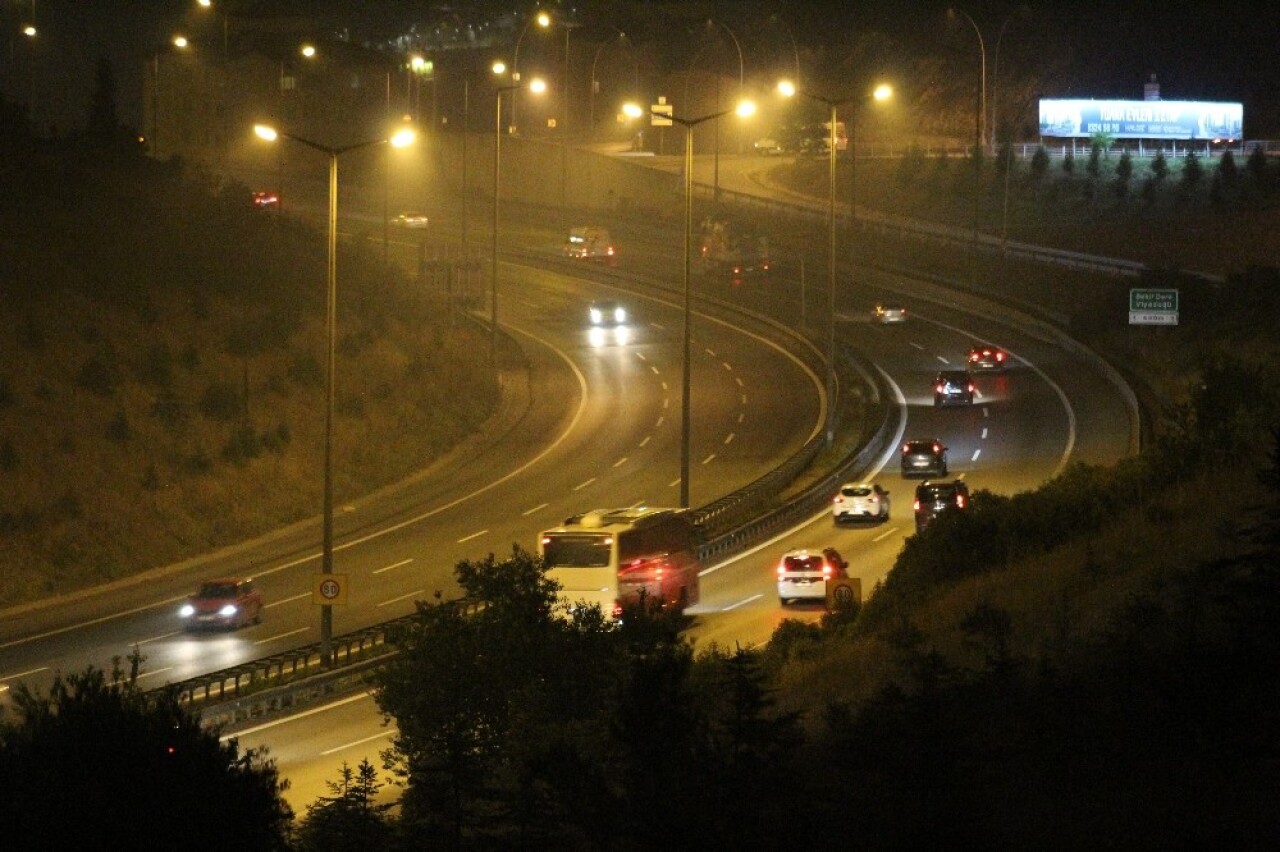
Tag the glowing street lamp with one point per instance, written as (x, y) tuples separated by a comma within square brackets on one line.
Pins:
[(400, 139), (744, 109), (788, 89)]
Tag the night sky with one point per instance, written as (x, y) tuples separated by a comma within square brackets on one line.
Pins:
[(1221, 51)]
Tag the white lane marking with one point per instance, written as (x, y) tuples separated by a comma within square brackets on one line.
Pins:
[(744, 399), (24, 674), (620, 462), (738, 379), (673, 483), (399, 564), (469, 537), (655, 370), (527, 512), (708, 459), (665, 401), (165, 635), (984, 433), (885, 534), (389, 732), (709, 352), (141, 675), (661, 420), (728, 438), (281, 636), (290, 599), (646, 440), (917, 346), (658, 326), (413, 594), (275, 723), (732, 607), (582, 485), (986, 412), (976, 453), (726, 366), (640, 355), (741, 416), (381, 531), (943, 360), (664, 386)]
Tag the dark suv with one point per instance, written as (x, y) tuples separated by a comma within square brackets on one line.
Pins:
[(953, 387), (934, 498), (924, 458)]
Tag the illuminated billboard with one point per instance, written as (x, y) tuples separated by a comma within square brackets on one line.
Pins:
[(1201, 120)]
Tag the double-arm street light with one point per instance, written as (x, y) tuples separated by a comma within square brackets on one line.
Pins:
[(543, 20), (403, 137), (744, 109), (979, 126), (788, 89), (537, 87)]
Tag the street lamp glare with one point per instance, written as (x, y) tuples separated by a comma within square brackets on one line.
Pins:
[(308, 51), (266, 132), (29, 31), (417, 63), (538, 86), (631, 110), (544, 20), (746, 109), (786, 88), (180, 41), (499, 67), (403, 137), (204, 3), (883, 92)]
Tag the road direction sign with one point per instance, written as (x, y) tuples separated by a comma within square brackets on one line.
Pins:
[(658, 110), (1149, 306)]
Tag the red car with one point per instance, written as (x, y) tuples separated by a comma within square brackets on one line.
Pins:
[(264, 200), (229, 602)]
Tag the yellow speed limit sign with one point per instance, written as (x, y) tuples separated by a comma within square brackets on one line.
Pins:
[(329, 589)]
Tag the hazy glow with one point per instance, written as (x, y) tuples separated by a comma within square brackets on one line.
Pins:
[(404, 136), (205, 3), (266, 132), (180, 41), (746, 109), (544, 20), (308, 51), (786, 88), (499, 67), (631, 110), (537, 85), (417, 63), (29, 31), (883, 92)]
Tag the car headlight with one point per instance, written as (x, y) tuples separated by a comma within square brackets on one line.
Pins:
[(620, 315), (595, 315), (227, 611), (186, 610)]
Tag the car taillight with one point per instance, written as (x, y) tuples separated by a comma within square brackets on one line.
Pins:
[(782, 569), (937, 448), (960, 501), (838, 499), (972, 387), (617, 610), (826, 569), (938, 387), (906, 448), (999, 356), (916, 505)]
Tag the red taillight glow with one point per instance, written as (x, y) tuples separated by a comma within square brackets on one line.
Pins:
[(999, 356), (937, 448), (916, 505), (838, 499), (617, 609), (938, 387), (782, 569), (960, 501), (826, 570)]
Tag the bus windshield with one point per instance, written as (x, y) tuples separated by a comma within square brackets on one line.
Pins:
[(577, 550)]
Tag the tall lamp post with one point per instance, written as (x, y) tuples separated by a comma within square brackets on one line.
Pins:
[(543, 20), (180, 42), (537, 87), (995, 72), (400, 139), (595, 84), (980, 125), (788, 89), (744, 109)]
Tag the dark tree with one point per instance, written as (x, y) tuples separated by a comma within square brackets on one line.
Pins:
[(1068, 163), (99, 764), (1160, 166), (350, 819), (1039, 164), (104, 123), (1094, 165), (1227, 169), (1192, 171)]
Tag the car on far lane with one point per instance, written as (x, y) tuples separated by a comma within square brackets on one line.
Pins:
[(934, 498), (889, 312), (953, 387), (924, 458), (803, 574), (227, 602), (605, 313), (412, 219), (266, 200), (857, 500), (988, 358)]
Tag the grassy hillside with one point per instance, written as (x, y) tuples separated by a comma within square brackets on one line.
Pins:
[(162, 378)]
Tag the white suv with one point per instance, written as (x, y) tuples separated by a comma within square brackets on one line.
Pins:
[(803, 575), (860, 500)]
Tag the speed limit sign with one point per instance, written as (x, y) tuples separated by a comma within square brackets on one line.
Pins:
[(329, 589)]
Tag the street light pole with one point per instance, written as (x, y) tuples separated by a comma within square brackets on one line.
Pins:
[(980, 126), (270, 134), (995, 73), (744, 108), (535, 86)]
